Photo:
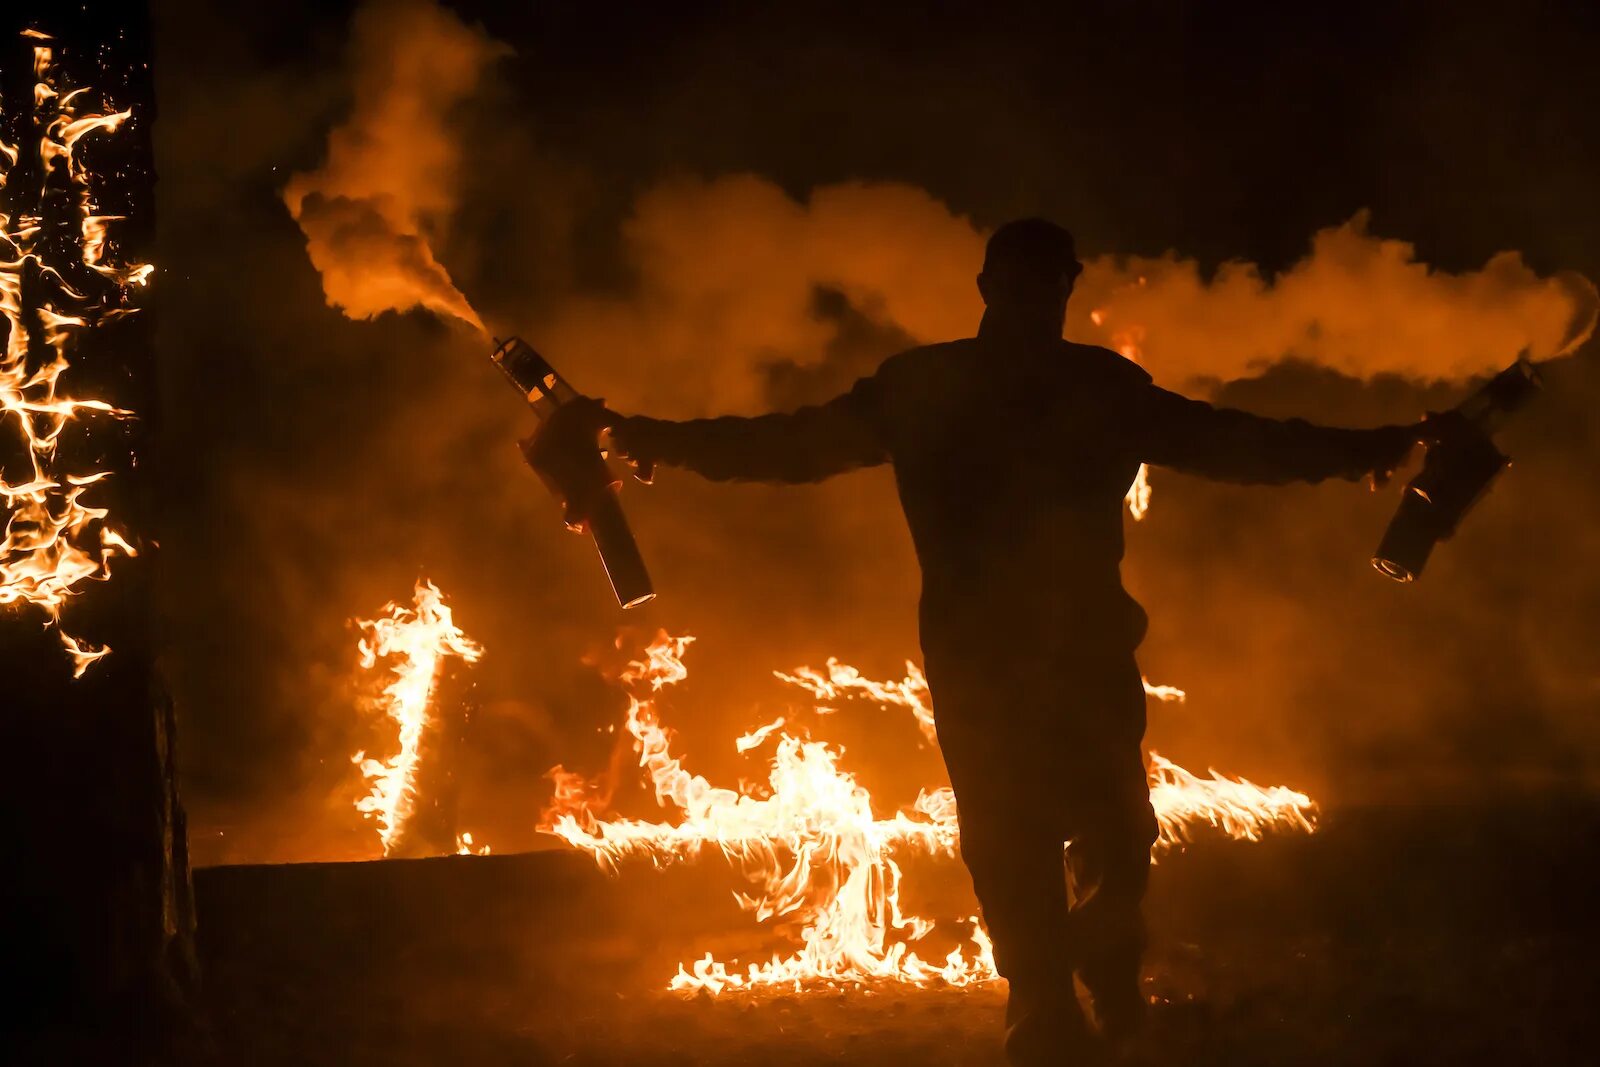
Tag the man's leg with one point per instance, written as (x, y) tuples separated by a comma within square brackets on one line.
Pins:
[(1013, 851), (1108, 865)]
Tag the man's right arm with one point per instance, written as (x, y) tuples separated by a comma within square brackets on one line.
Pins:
[(807, 445)]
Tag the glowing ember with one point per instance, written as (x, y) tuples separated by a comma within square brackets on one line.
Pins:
[(813, 849), (414, 642), (57, 278)]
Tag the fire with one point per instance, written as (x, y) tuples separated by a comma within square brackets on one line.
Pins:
[(414, 642), (1237, 807), (814, 850), (910, 692), (58, 278)]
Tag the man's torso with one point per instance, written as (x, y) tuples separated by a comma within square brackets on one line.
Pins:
[(1012, 467)]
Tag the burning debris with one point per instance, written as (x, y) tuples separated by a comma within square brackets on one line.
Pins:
[(814, 850), (59, 276), (414, 643)]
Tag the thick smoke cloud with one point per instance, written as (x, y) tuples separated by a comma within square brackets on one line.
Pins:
[(388, 185), (728, 271), (1357, 303)]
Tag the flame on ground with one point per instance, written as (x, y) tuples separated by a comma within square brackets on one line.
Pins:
[(815, 852), (58, 277), (414, 643), (911, 692)]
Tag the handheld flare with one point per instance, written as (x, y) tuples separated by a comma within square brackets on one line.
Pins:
[(566, 456), (1458, 470)]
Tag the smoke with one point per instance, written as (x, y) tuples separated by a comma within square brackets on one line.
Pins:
[(728, 271), (1357, 303), (372, 212), (676, 293)]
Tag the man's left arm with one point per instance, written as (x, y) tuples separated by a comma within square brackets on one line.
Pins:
[(1235, 446)]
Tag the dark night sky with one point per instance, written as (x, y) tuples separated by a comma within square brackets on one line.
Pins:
[(309, 483)]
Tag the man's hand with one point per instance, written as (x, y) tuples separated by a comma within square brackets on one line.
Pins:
[(582, 419), (565, 452), (1395, 450), (630, 447), (1443, 427), (1436, 428)]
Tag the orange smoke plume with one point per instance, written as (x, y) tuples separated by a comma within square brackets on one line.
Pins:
[(370, 213), (1357, 303), (728, 272)]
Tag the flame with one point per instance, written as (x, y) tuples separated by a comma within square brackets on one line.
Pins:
[(415, 642), (53, 540), (910, 692), (816, 853), (1237, 807)]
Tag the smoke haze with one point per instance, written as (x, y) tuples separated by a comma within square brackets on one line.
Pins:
[(681, 269)]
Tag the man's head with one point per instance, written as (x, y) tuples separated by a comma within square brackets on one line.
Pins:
[(1028, 272)]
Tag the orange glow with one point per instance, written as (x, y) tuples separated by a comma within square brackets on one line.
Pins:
[(466, 847), (53, 539), (815, 852), (413, 643)]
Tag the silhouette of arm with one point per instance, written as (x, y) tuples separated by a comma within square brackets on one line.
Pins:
[(1235, 446), (807, 445)]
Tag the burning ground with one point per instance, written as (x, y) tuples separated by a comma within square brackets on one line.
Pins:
[(1438, 931)]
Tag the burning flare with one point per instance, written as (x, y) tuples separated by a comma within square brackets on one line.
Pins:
[(812, 847), (414, 642), (57, 278)]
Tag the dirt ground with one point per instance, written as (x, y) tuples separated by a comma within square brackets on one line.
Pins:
[(1421, 936)]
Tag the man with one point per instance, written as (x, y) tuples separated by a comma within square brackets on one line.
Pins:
[(1012, 452)]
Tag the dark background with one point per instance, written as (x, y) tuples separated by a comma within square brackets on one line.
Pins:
[(317, 466)]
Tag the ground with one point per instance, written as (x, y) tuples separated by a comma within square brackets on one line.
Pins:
[(1420, 936)]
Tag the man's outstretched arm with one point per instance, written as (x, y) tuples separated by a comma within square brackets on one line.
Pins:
[(1236, 446), (807, 445)]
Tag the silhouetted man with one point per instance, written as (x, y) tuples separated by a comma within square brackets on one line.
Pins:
[(1012, 452)]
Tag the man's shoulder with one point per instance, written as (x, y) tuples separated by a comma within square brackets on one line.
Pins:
[(924, 358), (1102, 364), (1090, 363)]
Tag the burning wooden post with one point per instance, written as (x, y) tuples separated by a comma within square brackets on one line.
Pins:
[(412, 795), (99, 920)]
